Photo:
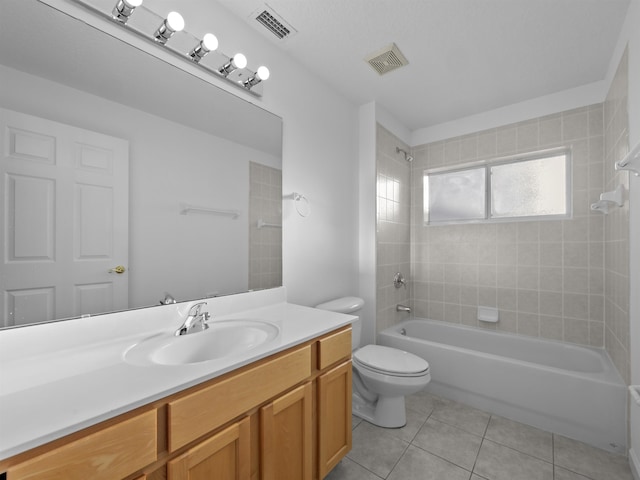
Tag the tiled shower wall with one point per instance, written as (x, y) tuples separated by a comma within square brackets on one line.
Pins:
[(616, 224), (265, 244), (393, 222), (545, 277)]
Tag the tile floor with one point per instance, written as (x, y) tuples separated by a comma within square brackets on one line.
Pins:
[(445, 440)]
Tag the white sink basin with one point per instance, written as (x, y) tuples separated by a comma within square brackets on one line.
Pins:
[(222, 339)]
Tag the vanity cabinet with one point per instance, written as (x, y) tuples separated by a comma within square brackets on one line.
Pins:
[(286, 436), (334, 417), (285, 417), (224, 456)]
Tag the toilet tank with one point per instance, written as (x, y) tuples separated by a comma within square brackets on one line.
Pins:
[(351, 306)]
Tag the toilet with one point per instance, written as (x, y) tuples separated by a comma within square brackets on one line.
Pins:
[(382, 376)]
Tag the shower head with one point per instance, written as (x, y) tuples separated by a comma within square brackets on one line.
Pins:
[(407, 157)]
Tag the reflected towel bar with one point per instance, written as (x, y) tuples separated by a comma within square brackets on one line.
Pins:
[(262, 223), (185, 209)]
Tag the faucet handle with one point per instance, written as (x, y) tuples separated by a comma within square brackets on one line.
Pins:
[(195, 309), (399, 281)]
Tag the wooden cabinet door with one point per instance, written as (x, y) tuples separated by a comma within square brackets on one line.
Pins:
[(334, 416), (116, 451), (286, 436), (225, 456)]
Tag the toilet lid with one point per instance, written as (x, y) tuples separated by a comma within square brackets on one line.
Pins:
[(391, 360)]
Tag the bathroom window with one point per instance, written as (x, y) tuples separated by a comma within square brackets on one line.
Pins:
[(532, 187)]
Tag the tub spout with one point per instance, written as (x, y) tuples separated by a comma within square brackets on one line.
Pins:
[(402, 308)]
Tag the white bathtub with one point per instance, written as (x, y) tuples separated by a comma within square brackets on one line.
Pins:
[(566, 389)]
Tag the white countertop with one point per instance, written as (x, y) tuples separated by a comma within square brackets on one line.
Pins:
[(59, 378)]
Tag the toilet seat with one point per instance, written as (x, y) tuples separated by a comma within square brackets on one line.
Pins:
[(390, 361)]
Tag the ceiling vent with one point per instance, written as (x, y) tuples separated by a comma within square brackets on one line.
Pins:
[(269, 19), (387, 59)]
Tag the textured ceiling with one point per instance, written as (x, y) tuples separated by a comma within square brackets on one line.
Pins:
[(465, 56)]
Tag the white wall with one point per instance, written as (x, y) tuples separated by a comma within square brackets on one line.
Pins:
[(367, 220), (319, 151), (320, 259)]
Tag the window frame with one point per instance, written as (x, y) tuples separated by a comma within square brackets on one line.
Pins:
[(506, 160)]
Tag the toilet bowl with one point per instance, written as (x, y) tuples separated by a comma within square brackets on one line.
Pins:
[(382, 376)]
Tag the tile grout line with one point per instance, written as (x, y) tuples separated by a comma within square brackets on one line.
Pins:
[(480, 448)]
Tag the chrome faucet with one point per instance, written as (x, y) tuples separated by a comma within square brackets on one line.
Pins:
[(168, 299), (195, 322), (402, 308)]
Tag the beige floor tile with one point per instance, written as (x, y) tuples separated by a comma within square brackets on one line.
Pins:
[(355, 421), (439, 443), (470, 419), (424, 402), (590, 461), (523, 438), (349, 470), (562, 474), (376, 449), (451, 443), (416, 464), (497, 462), (415, 420)]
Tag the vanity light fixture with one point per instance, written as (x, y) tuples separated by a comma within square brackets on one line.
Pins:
[(209, 43), (260, 75), (225, 67), (124, 8), (235, 62), (172, 24)]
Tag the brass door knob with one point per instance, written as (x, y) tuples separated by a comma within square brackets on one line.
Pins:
[(119, 269)]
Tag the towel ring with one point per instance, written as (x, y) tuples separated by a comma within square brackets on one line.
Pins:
[(298, 198)]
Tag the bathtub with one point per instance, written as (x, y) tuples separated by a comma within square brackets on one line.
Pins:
[(566, 389)]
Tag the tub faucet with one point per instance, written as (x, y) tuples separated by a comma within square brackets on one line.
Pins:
[(195, 322), (402, 308)]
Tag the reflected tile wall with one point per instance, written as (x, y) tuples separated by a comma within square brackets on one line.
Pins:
[(392, 227), (545, 277), (265, 244), (616, 224)]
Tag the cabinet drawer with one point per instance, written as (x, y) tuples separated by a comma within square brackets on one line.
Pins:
[(115, 452), (334, 348), (205, 410)]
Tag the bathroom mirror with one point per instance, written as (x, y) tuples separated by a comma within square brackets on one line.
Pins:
[(196, 210)]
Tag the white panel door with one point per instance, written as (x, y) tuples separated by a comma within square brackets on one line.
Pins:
[(63, 220)]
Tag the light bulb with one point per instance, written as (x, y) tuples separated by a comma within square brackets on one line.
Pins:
[(239, 60), (172, 24), (235, 62), (260, 75), (175, 21), (210, 42), (263, 72)]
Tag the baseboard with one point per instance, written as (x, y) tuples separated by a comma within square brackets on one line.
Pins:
[(634, 463)]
